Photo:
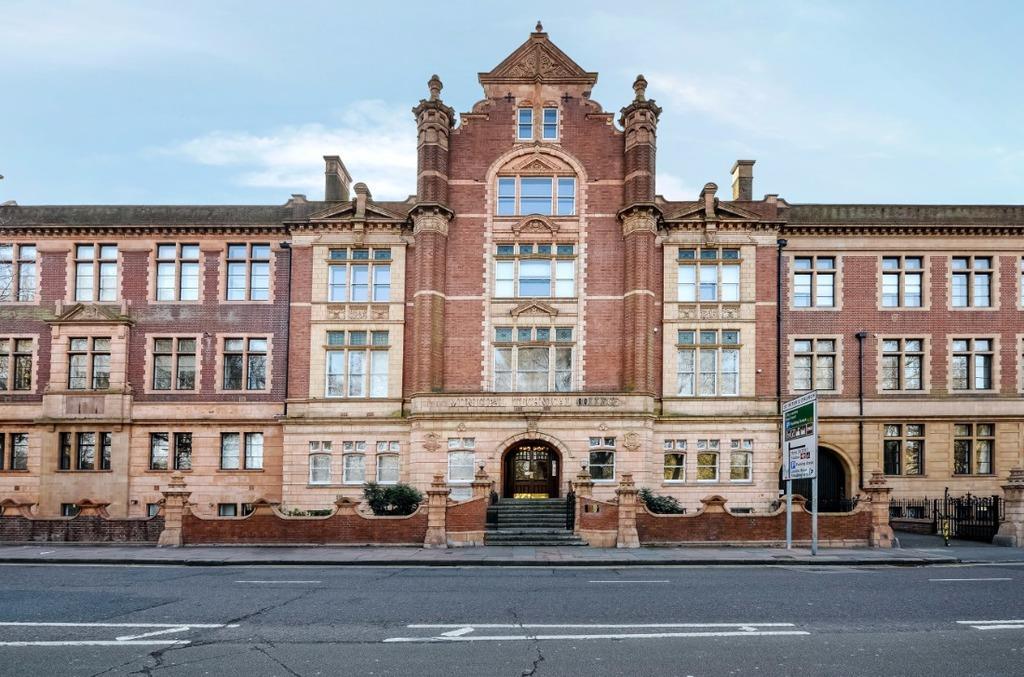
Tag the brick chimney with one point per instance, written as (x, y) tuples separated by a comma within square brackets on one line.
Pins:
[(336, 180), (743, 180)]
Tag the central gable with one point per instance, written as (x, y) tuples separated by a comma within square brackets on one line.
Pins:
[(537, 60)]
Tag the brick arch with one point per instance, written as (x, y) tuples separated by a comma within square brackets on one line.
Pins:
[(511, 444)]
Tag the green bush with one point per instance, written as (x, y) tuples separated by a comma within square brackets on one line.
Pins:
[(663, 505), (394, 499)]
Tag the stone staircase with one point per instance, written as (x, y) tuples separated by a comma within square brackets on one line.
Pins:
[(529, 522)]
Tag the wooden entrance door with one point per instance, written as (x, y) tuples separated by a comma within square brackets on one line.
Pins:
[(531, 471)]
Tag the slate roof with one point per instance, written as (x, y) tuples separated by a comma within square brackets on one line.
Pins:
[(881, 214)]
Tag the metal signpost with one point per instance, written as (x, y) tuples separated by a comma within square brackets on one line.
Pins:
[(800, 457)]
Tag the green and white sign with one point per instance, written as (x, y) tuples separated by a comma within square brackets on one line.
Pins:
[(800, 437)]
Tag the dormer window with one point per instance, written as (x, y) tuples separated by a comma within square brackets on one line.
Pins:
[(525, 124), (545, 195), (550, 130)]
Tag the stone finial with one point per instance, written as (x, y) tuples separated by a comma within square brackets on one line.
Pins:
[(435, 86), (539, 28), (640, 88)]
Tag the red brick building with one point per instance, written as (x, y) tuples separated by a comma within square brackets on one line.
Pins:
[(536, 308)]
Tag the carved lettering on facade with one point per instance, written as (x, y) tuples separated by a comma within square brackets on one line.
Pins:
[(534, 402)]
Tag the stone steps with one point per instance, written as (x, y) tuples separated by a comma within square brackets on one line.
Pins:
[(519, 522)]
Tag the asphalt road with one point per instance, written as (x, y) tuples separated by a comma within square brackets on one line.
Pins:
[(252, 621)]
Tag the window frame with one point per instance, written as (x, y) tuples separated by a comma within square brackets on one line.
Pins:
[(24, 257), (695, 260), (12, 444), (348, 260), (899, 437), (99, 261), (900, 355), (13, 354), (371, 375), (175, 355), (971, 273), (89, 354), (176, 460), (508, 269), (246, 353), (902, 273), (181, 258), (544, 124), (241, 451), (814, 272), (602, 444), (250, 260), (719, 348), (814, 353), (521, 124), (558, 198), (674, 447), (972, 353), (462, 448), (972, 439), (388, 449), (513, 347), (744, 448)]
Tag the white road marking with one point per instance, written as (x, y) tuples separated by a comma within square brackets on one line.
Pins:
[(627, 581), (281, 582), (141, 639), (949, 580), (164, 642), (154, 633), (42, 624), (458, 632), (1015, 624)]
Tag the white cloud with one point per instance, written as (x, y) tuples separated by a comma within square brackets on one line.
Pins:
[(377, 143), (674, 188)]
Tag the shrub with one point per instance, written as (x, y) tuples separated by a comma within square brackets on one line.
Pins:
[(394, 499), (664, 505)]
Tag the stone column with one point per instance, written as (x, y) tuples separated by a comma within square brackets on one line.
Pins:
[(437, 507), (481, 484), (627, 491), (878, 493), (583, 486), (1011, 529), (175, 503)]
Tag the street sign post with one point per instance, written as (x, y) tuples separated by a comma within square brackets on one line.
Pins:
[(800, 457)]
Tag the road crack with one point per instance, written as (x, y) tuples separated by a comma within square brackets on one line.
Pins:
[(536, 645)]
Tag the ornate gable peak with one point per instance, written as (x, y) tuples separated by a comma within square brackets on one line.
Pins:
[(89, 313), (538, 163), (538, 60), (535, 223), (534, 308)]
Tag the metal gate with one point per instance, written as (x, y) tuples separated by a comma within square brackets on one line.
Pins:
[(968, 517)]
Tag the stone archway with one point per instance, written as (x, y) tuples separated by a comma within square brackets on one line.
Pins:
[(531, 469), (832, 482)]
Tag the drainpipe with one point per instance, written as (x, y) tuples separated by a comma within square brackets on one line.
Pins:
[(781, 243), (861, 335), (286, 246)]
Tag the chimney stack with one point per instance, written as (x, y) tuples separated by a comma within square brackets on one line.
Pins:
[(336, 180), (743, 180)]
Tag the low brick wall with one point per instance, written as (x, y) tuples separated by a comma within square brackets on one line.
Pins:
[(81, 529), (466, 522), (266, 526), (713, 524), (598, 522)]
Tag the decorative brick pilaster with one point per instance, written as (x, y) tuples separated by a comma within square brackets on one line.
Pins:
[(583, 487), (1011, 529), (174, 505), (437, 508), (627, 535), (878, 493)]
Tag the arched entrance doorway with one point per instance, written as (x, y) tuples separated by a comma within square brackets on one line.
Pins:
[(531, 470), (832, 495)]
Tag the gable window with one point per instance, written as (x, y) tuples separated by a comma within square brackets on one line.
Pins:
[(359, 275), (14, 451), (972, 281), (972, 364), (710, 367), (85, 451), (814, 281), (550, 131), (387, 462), (533, 359), (708, 274), (95, 272), (18, 279), (545, 195), (535, 270), (707, 460), (973, 445), (16, 363), (320, 462), (902, 361), (174, 364), (901, 281), (357, 363), (675, 460), (903, 449), (248, 272), (814, 364), (177, 272), (602, 459), (89, 363), (524, 124), (245, 364)]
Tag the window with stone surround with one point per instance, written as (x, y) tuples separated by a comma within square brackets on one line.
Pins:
[(160, 457), (245, 363), (388, 462), (971, 363), (903, 449), (174, 363), (320, 462), (741, 460), (814, 282), (461, 466), (675, 460), (902, 364), (708, 274), (601, 459), (902, 281), (359, 275), (707, 460), (357, 363), (708, 363), (227, 510), (535, 270), (353, 462), (814, 364), (16, 363), (973, 448), (549, 130), (248, 272), (241, 451), (971, 279), (13, 451), (177, 272), (85, 450), (89, 363), (18, 273), (96, 273), (544, 195), (533, 359), (524, 124)]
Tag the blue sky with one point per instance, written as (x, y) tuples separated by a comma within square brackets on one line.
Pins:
[(236, 102)]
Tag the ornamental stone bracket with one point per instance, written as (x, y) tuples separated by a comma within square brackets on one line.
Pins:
[(639, 219), (1011, 530), (431, 218)]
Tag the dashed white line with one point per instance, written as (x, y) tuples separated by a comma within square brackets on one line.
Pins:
[(1014, 624), (280, 582), (966, 580), (461, 632), (627, 581)]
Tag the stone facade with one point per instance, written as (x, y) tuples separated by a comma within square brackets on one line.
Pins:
[(535, 290)]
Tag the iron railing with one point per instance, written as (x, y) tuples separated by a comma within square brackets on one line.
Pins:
[(968, 517), (570, 510)]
